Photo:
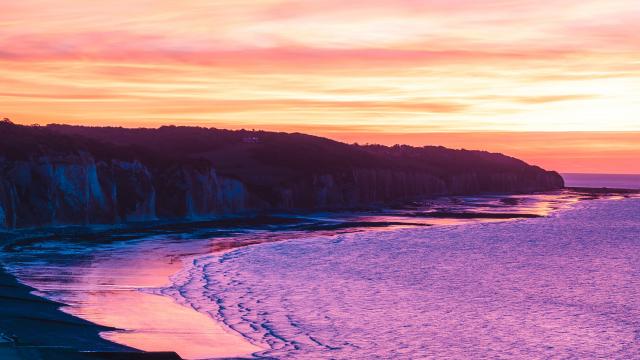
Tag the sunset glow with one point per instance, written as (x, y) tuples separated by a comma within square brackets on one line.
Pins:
[(367, 71)]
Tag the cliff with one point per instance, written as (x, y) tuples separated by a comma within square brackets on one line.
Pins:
[(58, 175)]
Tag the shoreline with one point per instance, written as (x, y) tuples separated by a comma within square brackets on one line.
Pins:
[(35, 328), (95, 341), (10, 236), (244, 279), (61, 333), (599, 194)]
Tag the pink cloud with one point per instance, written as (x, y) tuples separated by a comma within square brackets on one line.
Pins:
[(134, 48), (412, 63)]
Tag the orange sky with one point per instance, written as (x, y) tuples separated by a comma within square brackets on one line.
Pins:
[(368, 71)]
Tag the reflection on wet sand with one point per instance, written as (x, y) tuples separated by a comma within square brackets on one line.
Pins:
[(191, 334), (115, 287)]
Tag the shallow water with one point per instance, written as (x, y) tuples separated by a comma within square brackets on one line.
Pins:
[(148, 283), (115, 284), (561, 287)]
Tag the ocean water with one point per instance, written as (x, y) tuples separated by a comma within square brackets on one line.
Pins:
[(447, 278), (616, 181), (567, 286)]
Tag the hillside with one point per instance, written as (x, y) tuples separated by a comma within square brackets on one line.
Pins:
[(62, 174)]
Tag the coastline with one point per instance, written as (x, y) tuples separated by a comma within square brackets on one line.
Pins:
[(294, 329), (35, 328), (111, 337), (22, 312), (216, 310)]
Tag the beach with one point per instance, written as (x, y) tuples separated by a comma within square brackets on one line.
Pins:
[(34, 328), (205, 291), (114, 299)]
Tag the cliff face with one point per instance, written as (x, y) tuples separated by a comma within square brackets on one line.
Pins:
[(76, 189), (361, 187), (64, 176)]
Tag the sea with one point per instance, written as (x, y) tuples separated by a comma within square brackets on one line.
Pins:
[(618, 181), (546, 275)]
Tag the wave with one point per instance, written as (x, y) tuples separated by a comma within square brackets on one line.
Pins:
[(533, 288)]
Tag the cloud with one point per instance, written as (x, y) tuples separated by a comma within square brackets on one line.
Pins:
[(551, 98), (441, 64)]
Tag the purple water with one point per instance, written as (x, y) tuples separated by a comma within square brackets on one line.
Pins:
[(463, 288), (567, 286), (616, 181)]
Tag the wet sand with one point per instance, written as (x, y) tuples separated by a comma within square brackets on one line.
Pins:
[(34, 328), (119, 291)]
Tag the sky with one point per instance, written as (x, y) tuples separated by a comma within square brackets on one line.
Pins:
[(555, 83)]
